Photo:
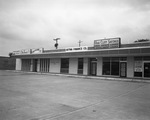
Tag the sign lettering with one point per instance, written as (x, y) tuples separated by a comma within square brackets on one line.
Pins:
[(107, 43), (73, 49)]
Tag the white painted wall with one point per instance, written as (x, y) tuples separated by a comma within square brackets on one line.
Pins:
[(18, 64), (55, 65), (99, 66), (73, 65), (130, 66), (31, 66), (38, 65), (85, 66)]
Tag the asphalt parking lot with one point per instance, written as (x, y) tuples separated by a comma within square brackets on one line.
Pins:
[(30, 96)]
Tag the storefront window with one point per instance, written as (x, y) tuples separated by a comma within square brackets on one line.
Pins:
[(111, 66), (138, 68), (64, 65), (80, 65), (146, 58), (146, 69), (106, 66), (137, 74), (115, 66)]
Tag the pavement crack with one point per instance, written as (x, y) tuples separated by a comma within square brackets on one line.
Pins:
[(48, 117)]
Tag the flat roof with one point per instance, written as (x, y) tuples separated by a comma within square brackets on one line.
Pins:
[(128, 51)]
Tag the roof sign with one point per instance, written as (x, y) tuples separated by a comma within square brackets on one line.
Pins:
[(107, 43)]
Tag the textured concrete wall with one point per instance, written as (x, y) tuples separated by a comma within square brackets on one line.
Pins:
[(55, 65), (73, 65)]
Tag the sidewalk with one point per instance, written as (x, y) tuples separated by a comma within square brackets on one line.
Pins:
[(111, 78)]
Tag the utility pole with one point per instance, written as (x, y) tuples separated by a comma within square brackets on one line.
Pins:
[(56, 44), (80, 42)]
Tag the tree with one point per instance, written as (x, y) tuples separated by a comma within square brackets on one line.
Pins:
[(142, 40), (10, 54)]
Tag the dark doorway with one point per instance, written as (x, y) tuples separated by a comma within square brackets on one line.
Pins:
[(93, 66), (64, 65), (35, 61), (147, 69), (123, 69), (80, 65)]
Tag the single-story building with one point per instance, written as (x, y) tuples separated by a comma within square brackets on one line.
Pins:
[(107, 57)]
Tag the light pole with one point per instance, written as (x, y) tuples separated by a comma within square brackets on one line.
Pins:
[(80, 42), (56, 44)]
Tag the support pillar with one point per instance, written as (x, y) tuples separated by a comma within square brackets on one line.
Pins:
[(38, 65), (18, 64), (130, 66), (99, 66), (85, 66), (31, 65), (73, 64)]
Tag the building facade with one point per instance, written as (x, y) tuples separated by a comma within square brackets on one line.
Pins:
[(106, 58), (7, 63)]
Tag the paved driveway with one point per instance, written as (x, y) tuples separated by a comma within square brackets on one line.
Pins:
[(29, 96)]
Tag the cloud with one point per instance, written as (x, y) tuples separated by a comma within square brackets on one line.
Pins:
[(39, 22), (140, 5)]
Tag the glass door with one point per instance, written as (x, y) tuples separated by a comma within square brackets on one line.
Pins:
[(123, 69), (93, 66), (146, 69), (64, 65)]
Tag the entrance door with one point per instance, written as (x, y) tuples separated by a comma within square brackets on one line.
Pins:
[(123, 69), (147, 69), (93, 66), (35, 65)]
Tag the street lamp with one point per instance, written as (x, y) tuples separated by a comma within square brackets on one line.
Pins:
[(56, 44)]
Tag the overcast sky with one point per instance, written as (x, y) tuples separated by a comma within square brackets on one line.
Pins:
[(35, 23)]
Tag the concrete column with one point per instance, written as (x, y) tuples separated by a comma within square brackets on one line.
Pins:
[(55, 65), (49, 64), (38, 65), (130, 66), (99, 66), (18, 64), (85, 66), (73, 65), (31, 65)]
